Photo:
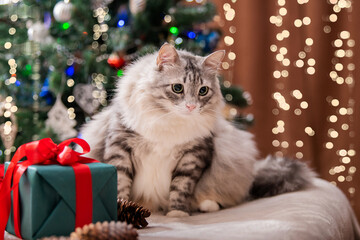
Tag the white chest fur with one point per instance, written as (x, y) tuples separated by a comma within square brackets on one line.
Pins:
[(153, 165)]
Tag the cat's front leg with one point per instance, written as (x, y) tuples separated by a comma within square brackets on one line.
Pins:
[(118, 154), (185, 176)]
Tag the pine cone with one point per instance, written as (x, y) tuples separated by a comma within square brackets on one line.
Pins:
[(105, 230), (132, 213)]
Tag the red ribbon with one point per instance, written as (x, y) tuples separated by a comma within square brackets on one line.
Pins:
[(46, 152)]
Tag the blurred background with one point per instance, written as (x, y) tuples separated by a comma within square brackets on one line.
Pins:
[(289, 75), (299, 61)]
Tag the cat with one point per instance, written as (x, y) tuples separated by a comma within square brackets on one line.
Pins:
[(174, 152)]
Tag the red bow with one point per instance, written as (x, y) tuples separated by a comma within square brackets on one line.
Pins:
[(46, 152)]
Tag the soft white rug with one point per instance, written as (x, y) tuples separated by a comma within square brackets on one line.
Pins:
[(321, 212)]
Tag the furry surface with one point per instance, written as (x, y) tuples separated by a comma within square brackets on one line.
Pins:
[(275, 176)]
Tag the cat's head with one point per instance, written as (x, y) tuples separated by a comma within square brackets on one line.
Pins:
[(187, 84), (172, 96)]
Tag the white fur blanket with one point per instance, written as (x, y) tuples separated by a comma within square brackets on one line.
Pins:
[(319, 212)]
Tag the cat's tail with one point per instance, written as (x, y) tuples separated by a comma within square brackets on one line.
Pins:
[(275, 175)]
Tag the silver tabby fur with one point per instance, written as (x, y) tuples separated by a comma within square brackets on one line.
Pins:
[(170, 157)]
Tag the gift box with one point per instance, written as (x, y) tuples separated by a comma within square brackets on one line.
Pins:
[(55, 189), (48, 204)]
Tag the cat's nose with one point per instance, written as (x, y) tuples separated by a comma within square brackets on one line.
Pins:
[(190, 106)]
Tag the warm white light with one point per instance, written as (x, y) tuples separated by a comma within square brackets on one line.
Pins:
[(309, 41), (297, 23), (309, 131), (231, 55), (226, 7), (304, 105), (311, 62), (230, 14), (299, 63), (306, 20), (228, 40), (297, 94), (333, 17), (329, 145), (7, 45), (335, 102), (333, 118), (167, 18), (283, 50), (282, 11), (273, 48), (345, 34)]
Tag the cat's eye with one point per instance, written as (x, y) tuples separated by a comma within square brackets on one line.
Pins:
[(178, 88), (203, 90)]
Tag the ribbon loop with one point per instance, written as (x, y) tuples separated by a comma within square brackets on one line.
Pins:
[(39, 151), (67, 156)]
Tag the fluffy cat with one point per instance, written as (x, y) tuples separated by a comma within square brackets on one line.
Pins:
[(173, 150)]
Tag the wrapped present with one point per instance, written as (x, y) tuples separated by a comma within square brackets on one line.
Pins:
[(55, 190)]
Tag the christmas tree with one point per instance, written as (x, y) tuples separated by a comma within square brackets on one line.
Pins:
[(60, 59)]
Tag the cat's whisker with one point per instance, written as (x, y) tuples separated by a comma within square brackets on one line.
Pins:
[(210, 112), (146, 111), (161, 117), (210, 115)]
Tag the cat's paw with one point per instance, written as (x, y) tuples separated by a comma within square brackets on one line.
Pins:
[(209, 206), (177, 213)]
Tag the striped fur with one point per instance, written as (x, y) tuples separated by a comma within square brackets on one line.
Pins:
[(194, 160), (169, 157)]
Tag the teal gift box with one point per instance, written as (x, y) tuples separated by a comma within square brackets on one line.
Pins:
[(48, 202)]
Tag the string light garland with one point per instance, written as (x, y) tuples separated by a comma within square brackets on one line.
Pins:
[(293, 101), (37, 87), (8, 108), (8, 129), (228, 63), (342, 75), (98, 92), (100, 30), (235, 97), (340, 121)]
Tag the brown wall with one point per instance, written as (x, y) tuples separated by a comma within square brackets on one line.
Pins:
[(333, 150)]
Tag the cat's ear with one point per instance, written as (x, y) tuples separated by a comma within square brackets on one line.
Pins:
[(167, 56), (213, 61)]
